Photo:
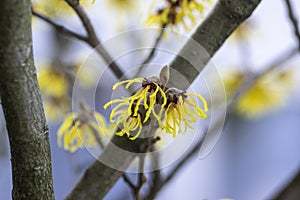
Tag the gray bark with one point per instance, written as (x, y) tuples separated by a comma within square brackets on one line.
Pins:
[(22, 104), (291, 190)]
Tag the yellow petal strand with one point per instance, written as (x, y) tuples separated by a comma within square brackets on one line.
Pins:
[(100, 119), (65, 127), (140, 129), (112, 102), (163, 96), (135, 80), (203, 101), (115, 86)]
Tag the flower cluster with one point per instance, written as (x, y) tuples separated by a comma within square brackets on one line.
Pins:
[(82, 129), (173, 109), (267, 93), (175, 12)]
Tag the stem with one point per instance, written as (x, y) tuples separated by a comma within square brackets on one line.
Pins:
[(294, 20), (141, 178), (59, 27), (153, 51)]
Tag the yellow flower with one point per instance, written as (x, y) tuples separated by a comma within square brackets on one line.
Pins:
[(175, 12), (131, 117), (244, 31), (122, 5), (266, 94), (127, 123), (53, 82), (56, 107), (56, 7), (82, 129), (181, 111)]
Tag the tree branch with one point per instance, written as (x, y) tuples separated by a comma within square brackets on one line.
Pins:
[(154, 48), (22, 105), (223, 20), (291, 190), (141, 178), (91, 39), (294, 21), (59, 27), (153, 51), (226, 16)]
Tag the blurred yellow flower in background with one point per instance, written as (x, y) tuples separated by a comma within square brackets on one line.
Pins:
[(122, 5), (83, 129), (269, 92), (56, 108), (55, 7), (53, 81), (178, 12), (56, 83)]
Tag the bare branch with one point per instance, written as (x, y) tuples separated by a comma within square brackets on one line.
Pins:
[(226, 16), (141, 178), (294, 20), (156, 177), (154, 48), (129, 182), (290, 190), (59, 27), (91, 38)]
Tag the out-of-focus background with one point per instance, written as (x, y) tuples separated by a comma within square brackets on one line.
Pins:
[(254, 157)]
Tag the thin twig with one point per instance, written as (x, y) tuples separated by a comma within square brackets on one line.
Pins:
[(141, 177), (294, 21), (151, 195), (129, 182), (59, 27), (93, 39), (155, 175), (153, 51), (154, 48)]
